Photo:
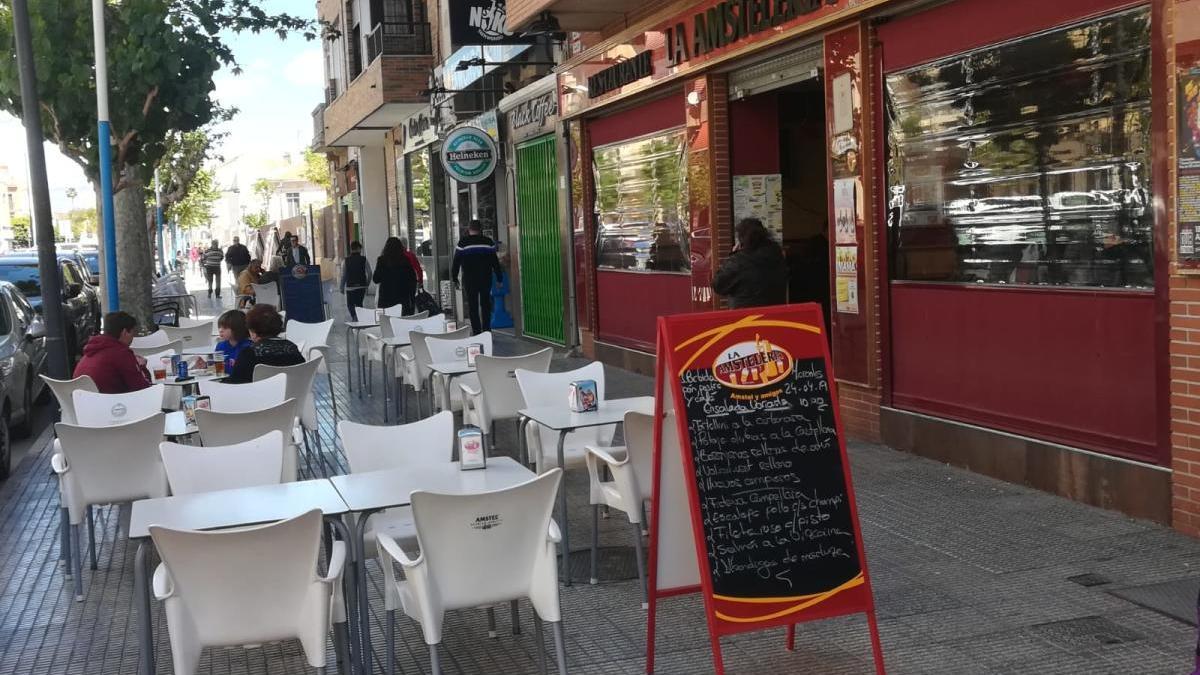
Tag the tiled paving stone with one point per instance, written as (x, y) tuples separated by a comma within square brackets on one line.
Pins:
[(971, 575)]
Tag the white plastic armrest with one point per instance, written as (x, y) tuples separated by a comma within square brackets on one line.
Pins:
[(58, 462), (324, 349), (337, 560), (405, 356), (469, 390), (164, 585), (389, 546), (554, 536), (605, 454)]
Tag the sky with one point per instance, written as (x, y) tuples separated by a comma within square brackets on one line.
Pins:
[(280, 85)]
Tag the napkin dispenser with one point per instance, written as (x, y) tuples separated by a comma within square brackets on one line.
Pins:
[(583, 396), (471, 453)]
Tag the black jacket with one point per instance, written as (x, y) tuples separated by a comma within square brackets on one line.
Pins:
[(296, 255), (271, 352), (476, 255), (237, 255), (397, 283), (753, 278)]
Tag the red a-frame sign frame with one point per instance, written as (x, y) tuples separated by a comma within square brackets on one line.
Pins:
[(667, 391)]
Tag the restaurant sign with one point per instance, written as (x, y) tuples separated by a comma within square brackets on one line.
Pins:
[(668, 48)]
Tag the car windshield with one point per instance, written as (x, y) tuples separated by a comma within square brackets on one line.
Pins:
[(92, 258), (24, 276)]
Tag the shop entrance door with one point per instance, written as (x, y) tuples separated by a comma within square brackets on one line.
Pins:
[(542, 306), (778, 148)]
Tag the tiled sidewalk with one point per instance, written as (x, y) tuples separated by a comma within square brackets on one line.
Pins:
[(970, 574)]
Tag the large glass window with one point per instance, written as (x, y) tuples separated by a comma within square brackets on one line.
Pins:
[(1026, 162), (642, 204)]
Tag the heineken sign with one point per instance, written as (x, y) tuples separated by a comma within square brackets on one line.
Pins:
[(469, 154)]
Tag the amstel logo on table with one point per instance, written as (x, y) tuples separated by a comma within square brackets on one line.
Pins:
[(752, 365)]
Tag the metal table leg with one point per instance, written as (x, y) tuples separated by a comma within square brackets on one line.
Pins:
[(141, 589), (364, 607), (563, 524), (349, 361), (383, 365)]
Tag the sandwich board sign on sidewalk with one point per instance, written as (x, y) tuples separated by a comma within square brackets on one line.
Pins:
[(753, 506)]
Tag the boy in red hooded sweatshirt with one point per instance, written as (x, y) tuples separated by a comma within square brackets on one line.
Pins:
[(109, 361)]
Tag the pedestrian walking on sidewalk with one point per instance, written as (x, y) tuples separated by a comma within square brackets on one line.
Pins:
[(194, 256), (211, 260), (237, 258), (356, 278), (476, 255), (395, 276), (755, 274)]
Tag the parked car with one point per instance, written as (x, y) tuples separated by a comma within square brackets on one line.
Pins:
[(80, 300), (89, 259), (22, 359)]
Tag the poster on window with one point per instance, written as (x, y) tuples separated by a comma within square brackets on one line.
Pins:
[(1189, 119), (845, 212), (760, 196), (847, 295), (1188, 205)]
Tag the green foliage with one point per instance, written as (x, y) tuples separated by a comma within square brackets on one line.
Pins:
[(262, 189), (196, 207), (83, 222), (316, 169), (22, 231), (257, 221)]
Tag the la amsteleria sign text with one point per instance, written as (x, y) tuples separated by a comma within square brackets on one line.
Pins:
[(700, 34)]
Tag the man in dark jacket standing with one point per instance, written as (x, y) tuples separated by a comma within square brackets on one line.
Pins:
[(755, 274), (211, 261), (475, 254), (292, 252), (237, 258), (109, 361)]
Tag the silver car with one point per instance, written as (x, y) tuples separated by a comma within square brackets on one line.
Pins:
[(22, 359)]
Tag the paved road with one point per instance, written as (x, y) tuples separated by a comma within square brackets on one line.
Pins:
[(42, 422)]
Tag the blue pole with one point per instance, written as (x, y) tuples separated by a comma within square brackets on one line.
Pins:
[(109, 269)]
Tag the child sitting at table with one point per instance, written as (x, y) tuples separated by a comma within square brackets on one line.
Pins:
[(235, 337), (265, 325)]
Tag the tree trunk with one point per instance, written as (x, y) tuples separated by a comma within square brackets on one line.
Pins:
[(135, 264)]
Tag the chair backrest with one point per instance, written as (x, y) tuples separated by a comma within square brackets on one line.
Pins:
[(195, 336), (228, 428), (93, 409), (372, 448), (155, 339), (191, 469), (498, 381), (247, 397), (505, 528), (639, 446), (185, 322), (266, 294), (420, 346), (543, 389), (63, 390), (441, 349), (393, 311), (311, 334), (299, 384), (244, 585), (112, 464), (401, 327), (170, 349)]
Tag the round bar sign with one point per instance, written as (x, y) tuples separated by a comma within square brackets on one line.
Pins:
[(469, 154)]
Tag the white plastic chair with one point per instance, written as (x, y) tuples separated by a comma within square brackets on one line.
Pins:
[(550, 389), (315, 338), (63, 390), (156, 339), (170, 348), (186, 322), (266, 294), (102, 464), (497, 395), (300, 387), (246, 586), (375, 448), (191, 469), (245, 397), (93, 409), (628, 487), (442, 349), (194, 336), (518, 550), (416, 362), (229, 428), (371, 348)]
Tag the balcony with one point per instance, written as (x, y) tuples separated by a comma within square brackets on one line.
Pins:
[(397, 38), (318, 137)]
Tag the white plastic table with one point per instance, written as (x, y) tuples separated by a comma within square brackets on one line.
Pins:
[(373, 491), (175, 425), (222, 509), (198, 351), (448, 370), (560, 418), (352, 351)]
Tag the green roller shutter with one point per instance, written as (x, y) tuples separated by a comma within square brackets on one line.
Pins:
[(541, 244)]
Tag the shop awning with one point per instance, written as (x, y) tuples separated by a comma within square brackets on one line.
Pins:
[(572, 15)]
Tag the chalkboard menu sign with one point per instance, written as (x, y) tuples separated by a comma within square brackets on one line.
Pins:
[(759, 452)]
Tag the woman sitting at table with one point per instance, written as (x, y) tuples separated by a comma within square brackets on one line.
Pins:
[(265, 325), (246, 280), (235, 337)]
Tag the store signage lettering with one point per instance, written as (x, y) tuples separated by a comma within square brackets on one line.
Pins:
[(419, 125), (729, 22), (483, 22), (534, 112), (621, 74), (469, 154)]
